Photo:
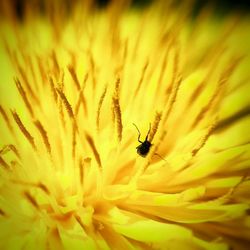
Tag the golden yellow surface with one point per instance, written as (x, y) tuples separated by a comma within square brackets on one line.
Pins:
[(72, 83)]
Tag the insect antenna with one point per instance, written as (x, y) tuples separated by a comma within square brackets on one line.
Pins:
[(139, 133)]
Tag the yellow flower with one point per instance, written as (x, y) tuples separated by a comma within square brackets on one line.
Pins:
[(70, 174)]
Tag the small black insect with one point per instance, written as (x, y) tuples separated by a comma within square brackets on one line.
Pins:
[(145, 145)]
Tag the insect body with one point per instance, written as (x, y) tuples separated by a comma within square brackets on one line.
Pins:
[(145, 145)]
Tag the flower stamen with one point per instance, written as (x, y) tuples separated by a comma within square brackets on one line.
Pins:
[(26, 83), (100, 106), (94, 150), (204, 140), (70, 114), (92, 68), (24, 130), (56, 68), (155, 126), (74, 77), (44, 135), (172, 100), (31, 199), (10, 147), (4, 163), (53, 89), (141, 78), (6, 119), (81, 98), (118, 116), (117, 109), (24, 96), (81, 170)]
